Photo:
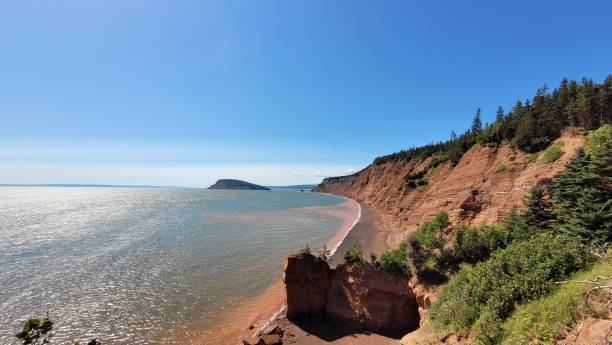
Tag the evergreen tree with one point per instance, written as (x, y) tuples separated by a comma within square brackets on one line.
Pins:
[(539, 213), (606, 101), (525, 132), (570, 184), (583, 193), (599, 144), (592, 218), (500, 114), (498, 124), (517, 227), (477, 123)]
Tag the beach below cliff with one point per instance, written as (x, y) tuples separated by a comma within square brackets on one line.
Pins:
[(247, 316), (372, 234), (269, 308), (251, 315)]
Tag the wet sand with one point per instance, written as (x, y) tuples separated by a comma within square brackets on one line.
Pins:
[(369, 231)]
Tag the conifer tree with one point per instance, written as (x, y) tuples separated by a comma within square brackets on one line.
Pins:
[(539, 208), (582, 193), (499, 115), (606, 101), (477, 123), (525, 132), (517, 227)]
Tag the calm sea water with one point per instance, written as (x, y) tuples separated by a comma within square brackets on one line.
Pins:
[(143, 265)]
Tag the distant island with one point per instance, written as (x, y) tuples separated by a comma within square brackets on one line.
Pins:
[(236, 185)]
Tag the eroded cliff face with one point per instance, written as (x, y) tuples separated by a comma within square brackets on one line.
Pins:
[(358, 294), (477, 190)]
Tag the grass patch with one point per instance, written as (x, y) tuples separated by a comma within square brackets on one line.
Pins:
[(500, 168), (541, 321), (553, 153)]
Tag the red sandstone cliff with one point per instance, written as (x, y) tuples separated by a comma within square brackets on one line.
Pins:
[(350, 293), (474, 191)]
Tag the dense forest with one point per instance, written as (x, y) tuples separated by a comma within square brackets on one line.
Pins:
[(529, 126)]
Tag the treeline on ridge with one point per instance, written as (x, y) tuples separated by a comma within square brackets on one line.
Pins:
[(530, 126)]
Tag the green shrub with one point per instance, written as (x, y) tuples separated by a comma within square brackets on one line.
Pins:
[(394, 261), (436, 161), (482, 297), (422, 182), (599, 144), (552, 154), (500, 168), (412, 180), (531, 158), (542, 320), (39, 331), (474, 244), (354, 255), (305, 250), (432, 234), (424, 264), (35, 330), (324, 253)]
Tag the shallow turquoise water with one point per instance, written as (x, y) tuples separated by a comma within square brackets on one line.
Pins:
[(144, 265)]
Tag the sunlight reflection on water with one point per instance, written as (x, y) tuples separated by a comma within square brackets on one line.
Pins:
[(143, 265)]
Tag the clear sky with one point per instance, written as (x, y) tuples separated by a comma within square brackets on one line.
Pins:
[(275, 92)]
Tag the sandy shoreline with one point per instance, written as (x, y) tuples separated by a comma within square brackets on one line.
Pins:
[(372, 234), (250, 314)]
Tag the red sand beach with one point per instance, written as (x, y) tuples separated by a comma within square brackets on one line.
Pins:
[(246, 316)]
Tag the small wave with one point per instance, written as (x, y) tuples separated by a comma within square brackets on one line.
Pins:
[(345, 234), (270, 319)]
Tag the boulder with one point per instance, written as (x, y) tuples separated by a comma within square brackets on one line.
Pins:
[(270, 339), (250, 340)]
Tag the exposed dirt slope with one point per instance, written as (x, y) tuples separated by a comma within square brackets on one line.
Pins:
[(474, 191)]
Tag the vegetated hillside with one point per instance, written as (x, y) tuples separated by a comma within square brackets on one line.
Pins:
[(482, 188), (236, 185), (489, 284), (480, 175)]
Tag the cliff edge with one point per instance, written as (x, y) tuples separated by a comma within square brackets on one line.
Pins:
[(482, 188)]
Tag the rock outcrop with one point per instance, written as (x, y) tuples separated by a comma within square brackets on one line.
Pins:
[(482, 188), (357, 294), (306, 281)]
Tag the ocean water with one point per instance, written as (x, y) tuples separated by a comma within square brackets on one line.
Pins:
[(144, 265)]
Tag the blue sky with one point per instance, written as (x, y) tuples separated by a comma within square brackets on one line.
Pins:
[(276, 92)]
